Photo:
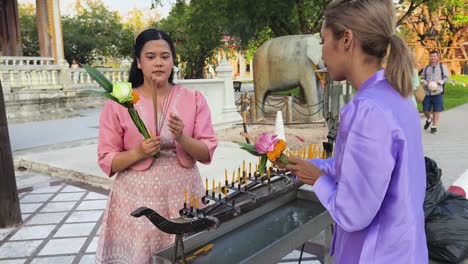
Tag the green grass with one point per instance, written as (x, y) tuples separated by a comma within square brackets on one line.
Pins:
[(293, 91), (454, 95), (460, 78)]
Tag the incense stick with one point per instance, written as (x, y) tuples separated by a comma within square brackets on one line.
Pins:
[(155, 107)]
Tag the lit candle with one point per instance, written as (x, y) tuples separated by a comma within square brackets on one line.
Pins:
[(238, 178), (185, 197), (206, 184), (214, 186), (233, 178), (191, 201), (250, 167), (243, 165), (197, 204), (269, 173), (225, 176), (219, 187), (225, 191)]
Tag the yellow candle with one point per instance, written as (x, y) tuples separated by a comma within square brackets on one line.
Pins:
[(245, 179), (225, 191), (268, 172), (243, 165), (185, 196), (197, 205), (250, 167), (191, 201), (214, 186), (219, 187), (225, 175), (238, 179), (206, 184), (233, 176)]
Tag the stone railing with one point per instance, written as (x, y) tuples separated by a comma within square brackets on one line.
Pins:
[(13, 61), (81, 79), (35, 88)]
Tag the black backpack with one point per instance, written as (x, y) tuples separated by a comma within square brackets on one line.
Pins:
[(443, 75)]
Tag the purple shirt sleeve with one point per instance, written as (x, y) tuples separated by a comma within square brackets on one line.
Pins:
[(364, 167), (327, 166)]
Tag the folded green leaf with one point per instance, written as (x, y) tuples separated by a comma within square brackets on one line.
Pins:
[(262, 165), (246, 145), (99, 78), (106, 95), (253, 152)]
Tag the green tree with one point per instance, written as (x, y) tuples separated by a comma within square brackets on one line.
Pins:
[(438, 24), (196, 30), (28, 27), (95, 34)]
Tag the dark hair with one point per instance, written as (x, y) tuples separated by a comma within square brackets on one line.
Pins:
[(373, 23), (434, 52), (136, 75)]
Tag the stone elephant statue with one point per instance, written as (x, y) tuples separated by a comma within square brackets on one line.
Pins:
[(287, 62)]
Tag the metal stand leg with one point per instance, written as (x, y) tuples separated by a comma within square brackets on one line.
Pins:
[(178, 241), (302, 251)]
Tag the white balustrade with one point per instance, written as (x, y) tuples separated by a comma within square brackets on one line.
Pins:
[(38, 75)]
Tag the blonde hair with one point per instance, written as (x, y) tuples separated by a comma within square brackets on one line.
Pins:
[(373, 22)]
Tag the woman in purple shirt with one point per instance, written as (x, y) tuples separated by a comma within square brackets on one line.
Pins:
[(374, 185)]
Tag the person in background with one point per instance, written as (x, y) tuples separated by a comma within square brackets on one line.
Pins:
[(374, 185), (75, 74), (182, 136), (433, 79)]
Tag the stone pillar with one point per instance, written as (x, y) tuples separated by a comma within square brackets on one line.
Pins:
[(242, 64), (49, 24), (10, 34), (176, 72), (224, 71)]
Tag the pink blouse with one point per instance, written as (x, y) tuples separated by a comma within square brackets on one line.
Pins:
[(118, 133)]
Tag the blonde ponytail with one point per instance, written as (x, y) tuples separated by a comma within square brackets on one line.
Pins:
[(373, 22), (400, 66)]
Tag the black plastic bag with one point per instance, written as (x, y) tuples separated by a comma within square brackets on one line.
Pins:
[(446, 219), (447, 238)]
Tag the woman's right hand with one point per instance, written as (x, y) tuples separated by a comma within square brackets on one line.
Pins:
[(149, 147)]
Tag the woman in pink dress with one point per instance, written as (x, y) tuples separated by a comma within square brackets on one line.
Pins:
[(183, 135)]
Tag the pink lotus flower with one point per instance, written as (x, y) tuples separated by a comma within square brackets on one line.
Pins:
[(265, 143)]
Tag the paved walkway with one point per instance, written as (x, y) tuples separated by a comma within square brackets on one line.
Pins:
[(61, 218)]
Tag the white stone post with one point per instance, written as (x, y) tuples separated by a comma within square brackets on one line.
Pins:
[(224, 71), (176, 74), (242, 65)]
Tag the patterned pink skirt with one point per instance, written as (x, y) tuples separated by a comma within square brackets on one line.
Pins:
[(126, 239)]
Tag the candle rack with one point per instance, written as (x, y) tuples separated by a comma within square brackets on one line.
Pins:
[(220, 208)]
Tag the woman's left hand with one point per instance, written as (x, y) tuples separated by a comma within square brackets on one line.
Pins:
[(306, 171), (176, 126)]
